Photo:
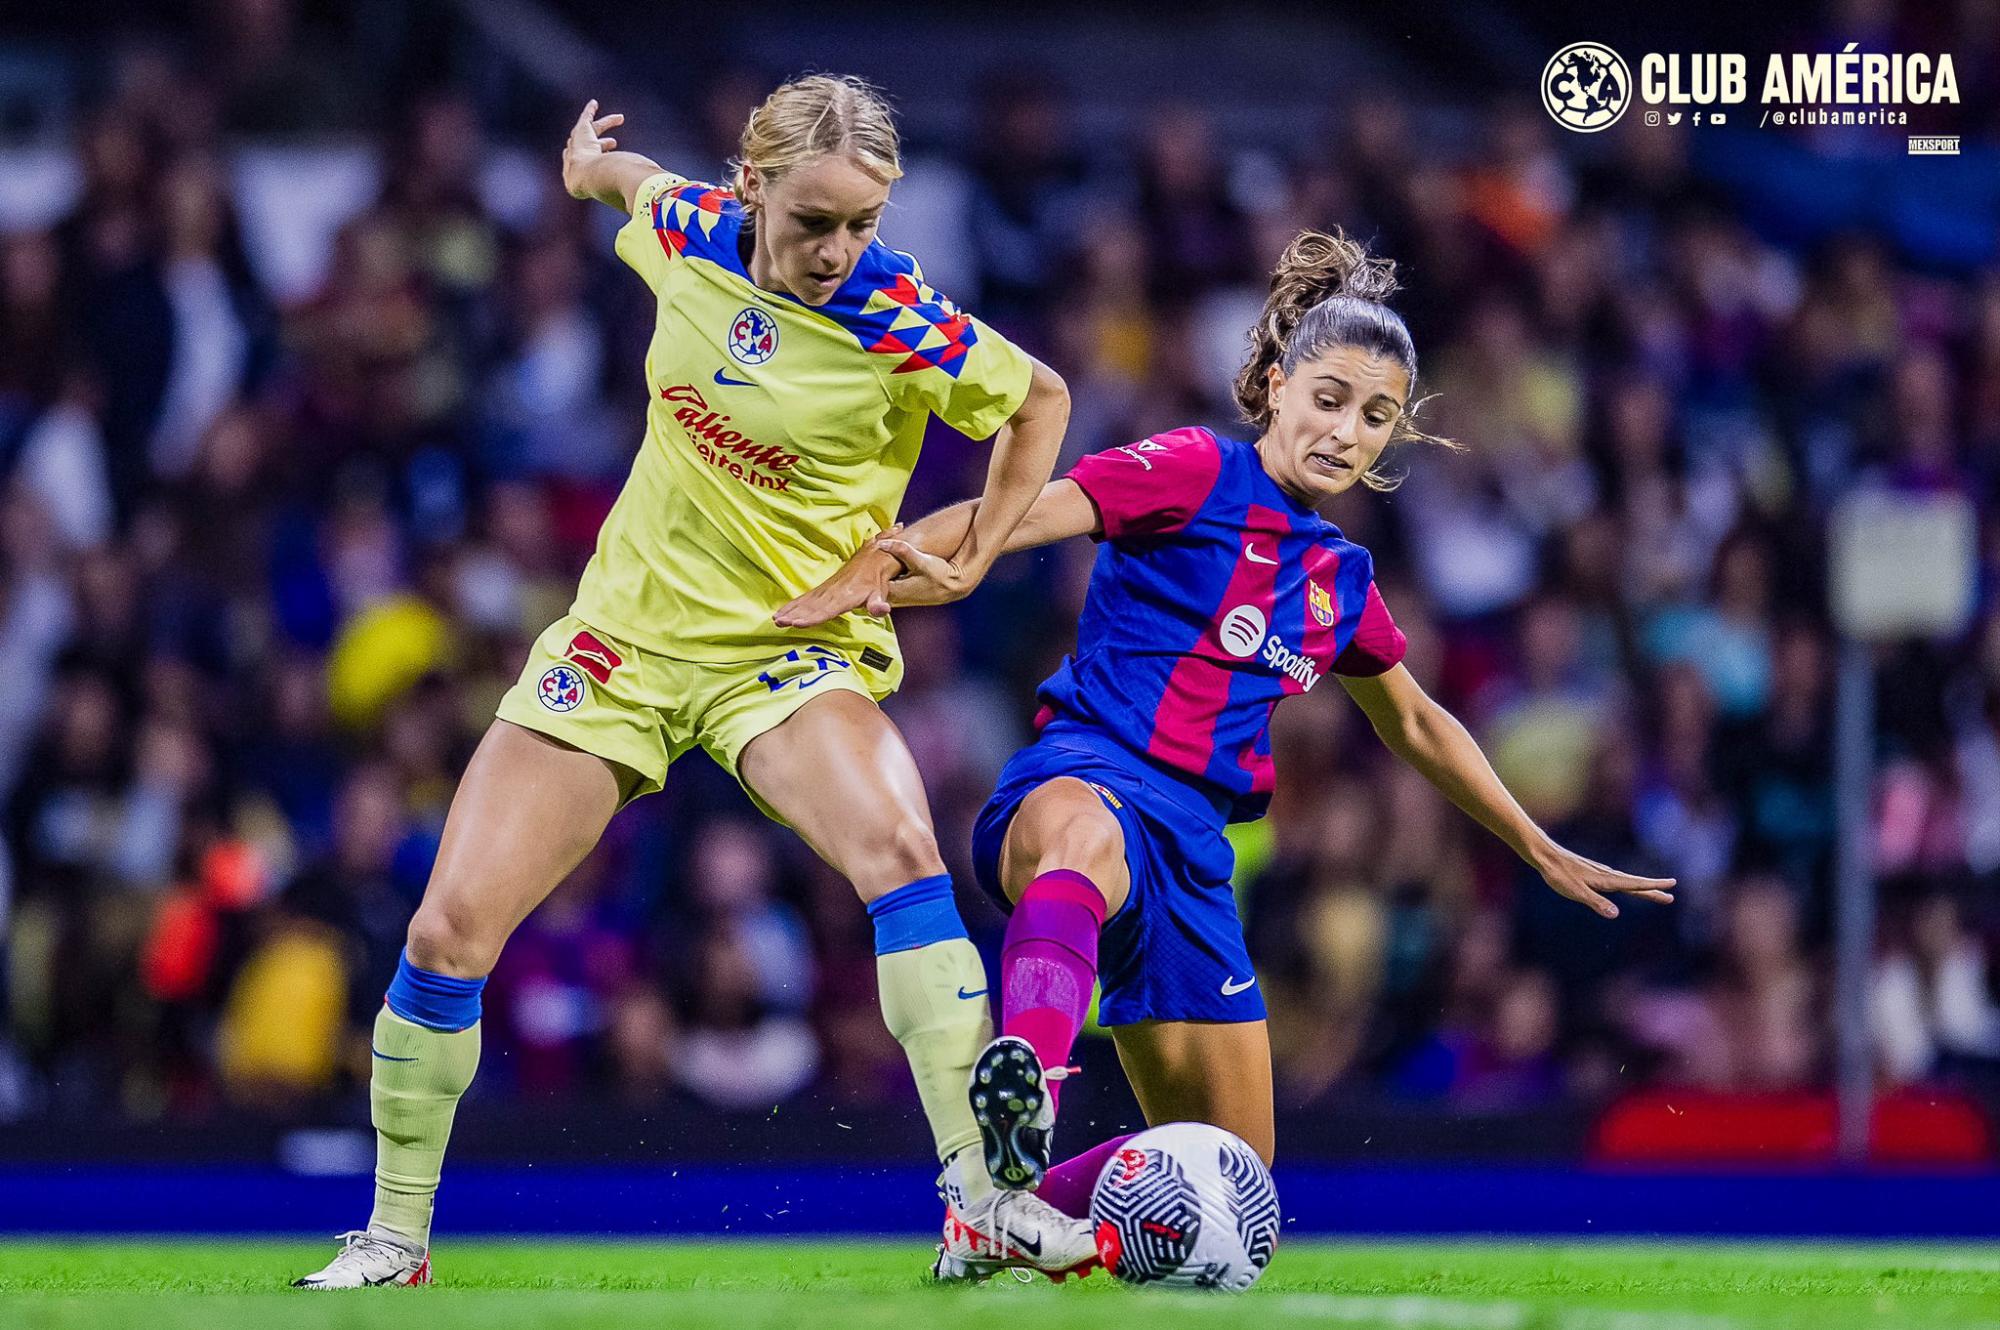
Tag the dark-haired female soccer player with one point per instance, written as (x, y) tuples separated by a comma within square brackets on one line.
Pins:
[(1218, 592), (794, 364)]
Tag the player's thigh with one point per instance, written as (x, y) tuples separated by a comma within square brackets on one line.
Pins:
[(1062, 823), (526, 812), (837, 771), (1203, 1071)]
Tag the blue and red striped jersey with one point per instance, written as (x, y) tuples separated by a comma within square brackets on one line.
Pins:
[(1215, 596)]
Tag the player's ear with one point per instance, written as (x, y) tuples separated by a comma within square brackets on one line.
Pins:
[(1274, 382), (753, 188)]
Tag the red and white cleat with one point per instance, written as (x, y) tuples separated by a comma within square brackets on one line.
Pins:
[(1013, 1230), (372, 1260)]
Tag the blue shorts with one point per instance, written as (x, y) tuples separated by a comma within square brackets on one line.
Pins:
[(1175, 950)]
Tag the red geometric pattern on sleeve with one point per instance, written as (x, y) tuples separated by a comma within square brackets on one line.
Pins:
[(917, 345), (692, 202)]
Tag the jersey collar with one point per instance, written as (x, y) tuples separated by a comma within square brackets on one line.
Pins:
[(1272, 489)]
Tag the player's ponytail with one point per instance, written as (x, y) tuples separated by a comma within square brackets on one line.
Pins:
[(1328, 291), (814, 115)]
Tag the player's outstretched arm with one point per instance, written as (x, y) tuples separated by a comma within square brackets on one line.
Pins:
[(1432, 740), (910, 565), (592, 170)]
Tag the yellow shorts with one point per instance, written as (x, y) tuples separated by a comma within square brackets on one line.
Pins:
[(641, 710)]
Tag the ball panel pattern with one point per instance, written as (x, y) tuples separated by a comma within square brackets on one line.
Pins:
[(1186, 1205), (1144, 1194)]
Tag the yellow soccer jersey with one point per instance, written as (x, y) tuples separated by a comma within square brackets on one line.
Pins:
[(779, 436)]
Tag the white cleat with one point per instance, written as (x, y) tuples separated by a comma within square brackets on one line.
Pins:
[(372, 1260), (1013, 1230)]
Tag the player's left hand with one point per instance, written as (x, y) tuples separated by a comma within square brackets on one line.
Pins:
[(587, 142), (862, 583), (1590, 883)]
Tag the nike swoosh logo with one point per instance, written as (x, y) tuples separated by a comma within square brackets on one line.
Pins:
[(1230, 988), (728, 382), (1250, 553), (981, 993), (385, 1057), (1031, 1248)]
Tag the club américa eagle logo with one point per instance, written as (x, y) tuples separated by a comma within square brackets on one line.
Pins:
[(562, 688), (753, 336), (1586, 87)]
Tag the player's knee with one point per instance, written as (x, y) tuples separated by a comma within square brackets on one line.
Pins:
[(1070, 828), (1092, 845), (450, 941)]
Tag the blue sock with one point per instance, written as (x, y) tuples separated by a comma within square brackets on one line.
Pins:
[(916, 915), (434, 1001)]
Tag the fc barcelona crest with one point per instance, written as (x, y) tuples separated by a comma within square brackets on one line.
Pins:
[(1321, 603)]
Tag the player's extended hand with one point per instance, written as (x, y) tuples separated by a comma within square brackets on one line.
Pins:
[(928, 579), (1588, 882), (586, 144), (862, 583)]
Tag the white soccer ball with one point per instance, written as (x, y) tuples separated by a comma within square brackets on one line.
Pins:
[(1187, 1205)]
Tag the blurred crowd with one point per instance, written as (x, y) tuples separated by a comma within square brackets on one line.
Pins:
[(270, 551)]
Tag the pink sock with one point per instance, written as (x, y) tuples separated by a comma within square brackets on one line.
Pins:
[(1069, 1184), (1048, 965)]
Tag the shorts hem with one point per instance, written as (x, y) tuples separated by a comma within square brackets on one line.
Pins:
[(652, 778), (1204, 1017), (780, 710)]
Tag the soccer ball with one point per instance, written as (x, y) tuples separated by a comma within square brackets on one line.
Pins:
[(1188, 1205)]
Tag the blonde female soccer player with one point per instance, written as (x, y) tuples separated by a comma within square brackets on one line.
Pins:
[(794, 364)]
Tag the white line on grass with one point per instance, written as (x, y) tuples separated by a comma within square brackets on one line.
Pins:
[(1407, 1310), (1418, 1312), (1595, 1318)]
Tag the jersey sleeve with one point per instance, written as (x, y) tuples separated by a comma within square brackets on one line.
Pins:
[(648, 241), (1153, 487), (1377, 646), (944, 360)]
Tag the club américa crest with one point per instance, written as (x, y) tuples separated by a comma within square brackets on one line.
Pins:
[(1586, 87), (753, 336), (562, 688)]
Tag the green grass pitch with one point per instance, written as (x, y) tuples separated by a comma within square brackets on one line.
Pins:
[(225, 1284)]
